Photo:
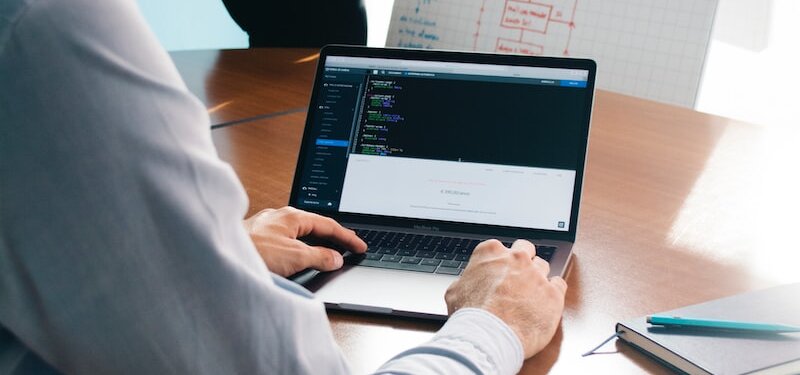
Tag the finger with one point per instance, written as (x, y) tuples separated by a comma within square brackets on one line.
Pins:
[(489, 248), (322, 258), (559, 283), (328, 229), (526, 246), (541, 265)]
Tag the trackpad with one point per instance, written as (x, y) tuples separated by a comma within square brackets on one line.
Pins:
[(387, 291)]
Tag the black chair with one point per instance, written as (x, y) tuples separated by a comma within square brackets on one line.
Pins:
[(308, 23)]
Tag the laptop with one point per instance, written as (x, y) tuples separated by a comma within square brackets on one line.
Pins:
[(427, 153)]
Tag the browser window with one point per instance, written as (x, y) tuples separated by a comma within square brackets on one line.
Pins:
[(461, 142)]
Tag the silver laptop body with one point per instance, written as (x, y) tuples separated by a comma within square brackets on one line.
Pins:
[(426, 153)]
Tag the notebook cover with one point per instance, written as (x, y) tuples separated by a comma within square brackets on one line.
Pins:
[(729, 352)]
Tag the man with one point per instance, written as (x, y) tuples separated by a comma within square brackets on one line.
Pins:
[(121, 245)]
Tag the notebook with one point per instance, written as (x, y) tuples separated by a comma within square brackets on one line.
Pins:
[(714, 352), (427, 153)]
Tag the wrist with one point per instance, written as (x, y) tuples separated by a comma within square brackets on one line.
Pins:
[(493, 335)]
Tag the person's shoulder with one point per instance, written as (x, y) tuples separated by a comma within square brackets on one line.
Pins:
[(10, 13), (48, 13), (11, 9)]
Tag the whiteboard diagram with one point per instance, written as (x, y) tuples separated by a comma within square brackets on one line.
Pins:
[(534, 19), (651, 49)]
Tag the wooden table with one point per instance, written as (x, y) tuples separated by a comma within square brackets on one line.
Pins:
[(679, 207), (237, 85)]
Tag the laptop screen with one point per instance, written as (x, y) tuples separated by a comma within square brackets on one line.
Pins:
[(450, 141)]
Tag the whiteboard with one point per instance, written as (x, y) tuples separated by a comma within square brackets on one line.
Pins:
[(653, 49)]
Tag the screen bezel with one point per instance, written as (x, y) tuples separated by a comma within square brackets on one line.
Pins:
[(451, 56)]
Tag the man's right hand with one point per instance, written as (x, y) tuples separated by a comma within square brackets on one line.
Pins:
[(512, 285), (276, 233)]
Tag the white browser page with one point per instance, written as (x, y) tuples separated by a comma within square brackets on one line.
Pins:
[(466, 192)]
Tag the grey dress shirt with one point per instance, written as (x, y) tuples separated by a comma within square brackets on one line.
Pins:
[(122, 249)]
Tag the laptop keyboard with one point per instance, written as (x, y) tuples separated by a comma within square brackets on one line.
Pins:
[(422, 253)]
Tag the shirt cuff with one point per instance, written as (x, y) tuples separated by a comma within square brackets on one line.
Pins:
[(472, 341), (484, 338)]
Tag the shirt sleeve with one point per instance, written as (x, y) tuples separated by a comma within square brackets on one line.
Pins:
[(121, 244), (473, 341)]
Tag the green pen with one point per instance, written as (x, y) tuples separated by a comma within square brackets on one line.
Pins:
[(732, 325)]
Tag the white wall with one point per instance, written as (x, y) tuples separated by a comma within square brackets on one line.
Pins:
[(192, 24), (379, 13), (751, 69), (205, 24)]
